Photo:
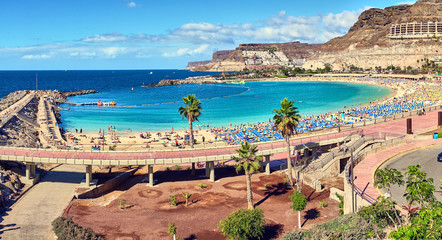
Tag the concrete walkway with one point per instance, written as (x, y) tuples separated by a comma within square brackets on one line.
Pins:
[(364, 170), (31, 217)]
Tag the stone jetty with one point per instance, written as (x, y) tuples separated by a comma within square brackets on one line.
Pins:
[(189, 80)]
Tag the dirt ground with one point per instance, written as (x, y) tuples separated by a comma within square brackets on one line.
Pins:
[(147, 213)]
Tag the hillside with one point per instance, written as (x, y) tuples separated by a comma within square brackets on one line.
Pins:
[(368, 43)]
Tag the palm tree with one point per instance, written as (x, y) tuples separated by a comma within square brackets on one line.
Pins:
[(286, 120), (248, 161), (191, 111)]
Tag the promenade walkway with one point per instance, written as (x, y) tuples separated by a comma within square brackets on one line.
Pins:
[(365, 169), (30, 218)]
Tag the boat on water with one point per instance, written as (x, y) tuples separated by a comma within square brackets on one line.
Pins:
[(99, 103), (242, 82)]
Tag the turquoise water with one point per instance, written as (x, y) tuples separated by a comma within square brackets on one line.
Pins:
[(148, 109)]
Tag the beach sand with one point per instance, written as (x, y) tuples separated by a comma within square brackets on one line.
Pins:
[(166, 140)]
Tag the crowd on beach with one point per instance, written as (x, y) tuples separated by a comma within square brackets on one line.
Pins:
[(410, 96), (406, 96)]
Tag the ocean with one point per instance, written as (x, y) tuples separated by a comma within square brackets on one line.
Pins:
[(147, 109)]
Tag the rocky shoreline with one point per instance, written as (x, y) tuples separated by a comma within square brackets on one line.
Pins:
[(190, 80)]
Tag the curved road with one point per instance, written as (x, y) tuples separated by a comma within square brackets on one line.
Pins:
[(427, 158)]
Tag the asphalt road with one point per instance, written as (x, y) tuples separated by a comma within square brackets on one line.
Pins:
[(427, 158)]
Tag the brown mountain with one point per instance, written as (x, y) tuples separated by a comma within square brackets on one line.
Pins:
[(367, 43)]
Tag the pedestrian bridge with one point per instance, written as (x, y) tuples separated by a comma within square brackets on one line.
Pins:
[(32, 156)]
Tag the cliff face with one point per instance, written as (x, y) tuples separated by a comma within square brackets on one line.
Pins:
[(366, 44)]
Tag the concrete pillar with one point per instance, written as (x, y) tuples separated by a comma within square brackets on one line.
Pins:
[(306, 152), (267, 159), (88, 175), (28, 171), (33, 170), (261, 165), (212, 171), (207, 169), (193, 170), (150, 172), (314, 152)]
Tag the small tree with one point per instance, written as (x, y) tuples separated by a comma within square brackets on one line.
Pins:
[(172, 199), (419, 188), (298, 204), (191, 111), (286, 120), (172, 230), (243, 224), (187, 196), (248, 161), (383, 179)]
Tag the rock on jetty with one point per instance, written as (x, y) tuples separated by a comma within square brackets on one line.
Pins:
[(189, 80), (78, 92)]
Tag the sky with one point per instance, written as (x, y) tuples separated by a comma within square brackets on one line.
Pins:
[(153, 34)]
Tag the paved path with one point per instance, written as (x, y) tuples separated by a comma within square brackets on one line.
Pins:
[(364, 170), (30, 218)]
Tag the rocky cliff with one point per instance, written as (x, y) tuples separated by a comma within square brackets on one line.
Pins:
[(366, 44)]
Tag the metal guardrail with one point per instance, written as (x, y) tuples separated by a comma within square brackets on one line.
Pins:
[(361, 156)]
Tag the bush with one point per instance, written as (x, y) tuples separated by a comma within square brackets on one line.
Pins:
[(172, 200), (243, 224), (380, 213), (341, 204), (350, 226), (176, 167), (122, 204), (202, 185), (66, 229), (323, 204)]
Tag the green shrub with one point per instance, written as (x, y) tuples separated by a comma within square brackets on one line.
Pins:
[(113, 148), (122, 204), (350, 226), (323, 204), (202, 185), (176, 167), (266, 186), (243, 224), (172, 200), (66, 229), (341, 204), (379, 213)]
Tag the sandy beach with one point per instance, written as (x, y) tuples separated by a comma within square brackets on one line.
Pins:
[(111, 139)]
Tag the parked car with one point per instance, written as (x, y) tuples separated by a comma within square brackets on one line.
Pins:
[(439, 157)]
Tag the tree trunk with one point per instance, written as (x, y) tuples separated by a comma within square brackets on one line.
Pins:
[(249, 191), (289, 161), (191, 133), (174, 236), (395, 213), (299, 219)]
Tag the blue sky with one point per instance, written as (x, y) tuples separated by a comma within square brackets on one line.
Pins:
[(153, 34)]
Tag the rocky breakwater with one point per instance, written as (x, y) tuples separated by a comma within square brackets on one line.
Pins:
[(22, 128), (189, 80), (78, 92)]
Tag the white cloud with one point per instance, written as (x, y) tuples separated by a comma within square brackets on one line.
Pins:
[(108, 37), (132, 5), (277, 28), (193, 39), (406, 2), (187, 51), (38, 56)]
